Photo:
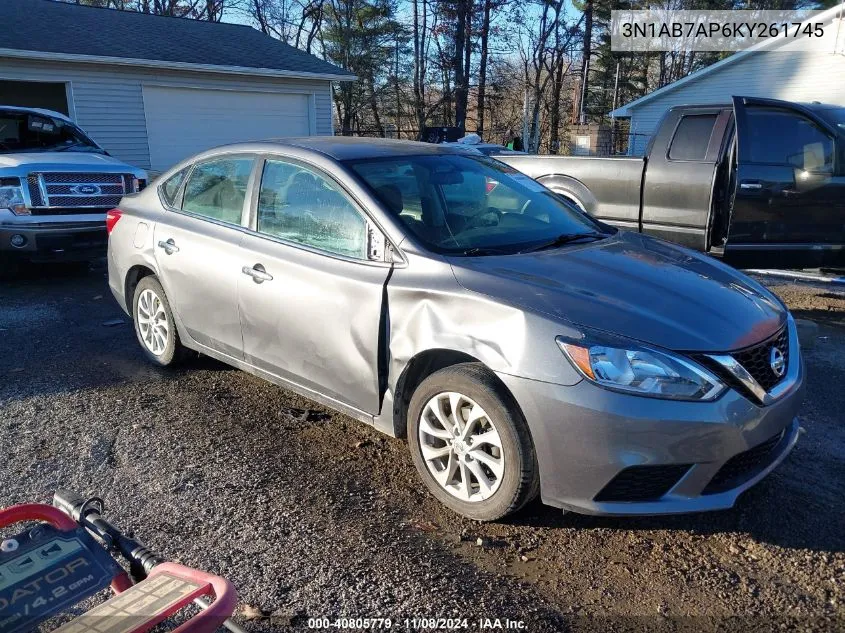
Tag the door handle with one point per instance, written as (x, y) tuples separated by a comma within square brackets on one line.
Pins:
[(169, 246), (751, 185), (258, 274)]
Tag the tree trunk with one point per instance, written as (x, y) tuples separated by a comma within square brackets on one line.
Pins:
[(419, 66), (459, 64), (554, 115), (482, 69), (583, 86), (371, 88), (260, 16)]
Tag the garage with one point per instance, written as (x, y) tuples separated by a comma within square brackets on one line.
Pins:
[(152, 90), (184, 121)]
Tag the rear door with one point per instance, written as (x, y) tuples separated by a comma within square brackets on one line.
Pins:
[(677, 194), (198, 250), (789, 205)]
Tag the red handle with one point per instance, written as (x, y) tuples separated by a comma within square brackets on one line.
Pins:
[(36, 512), (225, 598), (60, 521)]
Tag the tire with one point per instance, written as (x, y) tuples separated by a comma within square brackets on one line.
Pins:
[(171, 351), (515, 458)]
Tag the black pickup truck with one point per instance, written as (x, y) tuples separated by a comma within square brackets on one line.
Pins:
[(758, 182)]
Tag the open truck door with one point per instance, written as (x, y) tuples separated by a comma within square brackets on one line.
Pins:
[(789, 199)]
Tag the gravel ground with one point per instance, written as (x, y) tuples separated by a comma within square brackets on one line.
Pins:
[(311, 514)]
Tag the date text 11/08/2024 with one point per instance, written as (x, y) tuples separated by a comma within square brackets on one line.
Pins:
[(415, 624)]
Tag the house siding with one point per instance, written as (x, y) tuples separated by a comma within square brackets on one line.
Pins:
[(107, 101), (791, 76)]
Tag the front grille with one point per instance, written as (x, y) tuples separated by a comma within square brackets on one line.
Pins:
[(642, 483), (740, 468), (84, 201), (81, 178), (67, 190), (65, 193), (34, 191), (71, 211), (756, 359)]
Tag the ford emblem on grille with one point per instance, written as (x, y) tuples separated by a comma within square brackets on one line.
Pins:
[(776, 362), (86, 190)]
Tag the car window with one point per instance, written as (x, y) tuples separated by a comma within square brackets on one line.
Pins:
[(692, 136), (217, 189), (783, 137), (31, 132), (170, 187), (395, 184), (300, 205), (466, 204)]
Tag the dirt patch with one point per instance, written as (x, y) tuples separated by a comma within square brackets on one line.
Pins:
[(312, 514)]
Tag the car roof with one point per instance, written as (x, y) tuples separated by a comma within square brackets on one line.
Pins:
[(810, 105), (41, 111), (355, 147)]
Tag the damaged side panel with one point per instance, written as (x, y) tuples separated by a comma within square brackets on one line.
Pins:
[(431, 314)]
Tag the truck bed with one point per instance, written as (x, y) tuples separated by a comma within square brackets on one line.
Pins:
[(607, 187)]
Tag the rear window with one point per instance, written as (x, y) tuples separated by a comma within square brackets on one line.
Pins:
[(692, 136), (170, 188), (217, 189)]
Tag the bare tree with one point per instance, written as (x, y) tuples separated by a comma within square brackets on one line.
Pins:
[(482, 66)]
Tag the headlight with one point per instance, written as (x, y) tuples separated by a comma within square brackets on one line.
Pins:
[(629, 367), (12, 198)]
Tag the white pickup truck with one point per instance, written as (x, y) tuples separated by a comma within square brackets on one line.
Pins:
[(56, 185)]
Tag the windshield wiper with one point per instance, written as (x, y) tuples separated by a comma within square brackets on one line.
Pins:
[(565, 238), (64, 148), (484, 250)]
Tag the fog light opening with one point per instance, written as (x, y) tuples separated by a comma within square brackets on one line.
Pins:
[(18, 240)]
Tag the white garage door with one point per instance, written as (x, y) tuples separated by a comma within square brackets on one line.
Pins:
[(184, 121)]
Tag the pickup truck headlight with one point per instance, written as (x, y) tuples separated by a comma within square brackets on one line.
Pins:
[(11, 198), (632, 368)]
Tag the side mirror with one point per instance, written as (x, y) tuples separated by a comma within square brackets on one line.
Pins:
[(807, 180), (377, 245)]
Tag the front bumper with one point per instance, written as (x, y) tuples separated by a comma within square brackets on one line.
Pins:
[(585, 436), (55, 238)]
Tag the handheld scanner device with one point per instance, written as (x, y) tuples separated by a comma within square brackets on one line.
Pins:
[(47, 568)]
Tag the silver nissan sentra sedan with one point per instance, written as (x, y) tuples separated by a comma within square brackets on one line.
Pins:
[(520, 346)]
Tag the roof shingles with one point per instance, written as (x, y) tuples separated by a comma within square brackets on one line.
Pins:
[(57, 27)]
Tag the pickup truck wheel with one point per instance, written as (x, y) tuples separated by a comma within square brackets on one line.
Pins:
[(154, 323), (470, 443)]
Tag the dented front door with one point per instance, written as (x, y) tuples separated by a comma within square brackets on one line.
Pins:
[(311, 303)]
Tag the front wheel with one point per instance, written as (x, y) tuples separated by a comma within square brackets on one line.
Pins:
[(155, 326), (471, 444)]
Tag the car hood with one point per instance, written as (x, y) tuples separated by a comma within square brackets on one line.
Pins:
[(57, 161), (635, 286)]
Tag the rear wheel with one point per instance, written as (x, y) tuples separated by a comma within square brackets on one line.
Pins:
[(470, 443), (154, 323)]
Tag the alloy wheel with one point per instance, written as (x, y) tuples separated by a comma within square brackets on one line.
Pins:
[(461, 447), (152, 322)]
